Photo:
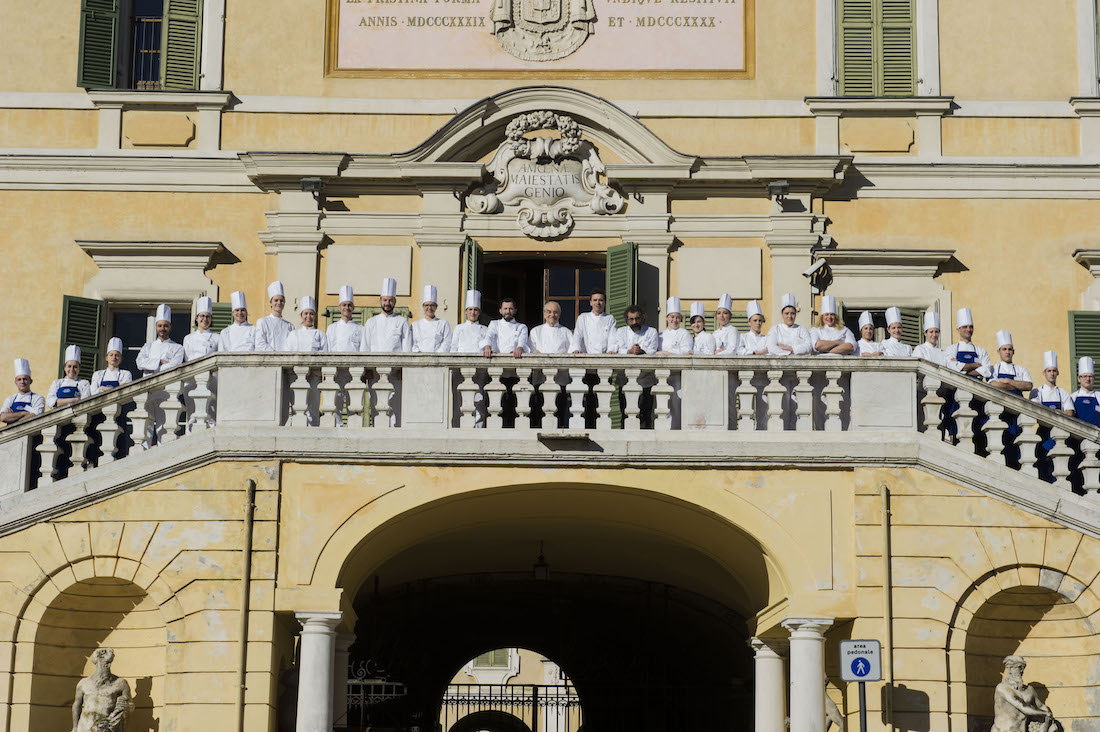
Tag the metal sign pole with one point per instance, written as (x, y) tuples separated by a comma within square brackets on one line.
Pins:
[(862, 706)]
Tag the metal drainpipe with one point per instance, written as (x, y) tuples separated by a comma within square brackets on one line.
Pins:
[(887, 611), (246, 586)]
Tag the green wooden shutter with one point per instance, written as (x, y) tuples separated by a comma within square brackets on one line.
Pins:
[(898, 49), (857, 44), (473, 268), (99, 33), (1084, 339), (911, 332), (221, 316), (181, 46), (366, 313), (622, 279), (81, 325)]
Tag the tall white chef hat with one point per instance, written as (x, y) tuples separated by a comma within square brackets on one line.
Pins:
[(347, 294), (430, 294), (931, 320), (753, 308), (1084, 365), (473, 299), (389, 287), (672, 305), (697, 309), (788, 301), (964, 317), (308, 303), (237, 298), (275, 288), (22, 367), (893, 315), (1050, 360), (828, 304), (725, 302), (164, 313), (72, 353), (115, 344), (865, 318), (1004, 338), (204, 305)]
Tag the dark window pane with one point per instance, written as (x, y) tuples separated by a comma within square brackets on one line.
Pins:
[(148, 8), (591, 279), (562, 281), (181, 326), (586, 305), (131, 328), (568, 313)]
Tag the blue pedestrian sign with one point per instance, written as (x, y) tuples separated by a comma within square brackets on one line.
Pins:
[(860, 660)]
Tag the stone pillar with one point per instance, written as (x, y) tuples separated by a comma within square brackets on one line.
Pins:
[(340, 678), (441, 265), (315, 667), (807, 695), (294, 238), (790, 241), (653, 253), (771, 684)]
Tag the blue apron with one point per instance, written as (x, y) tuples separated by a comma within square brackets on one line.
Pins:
[(67, 392), (1086, 410), (109, 384), (1002, 375), (968, 357), (19, 406), (1044, 432)]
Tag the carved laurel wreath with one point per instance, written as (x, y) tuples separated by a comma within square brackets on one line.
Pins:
[(545, 120)]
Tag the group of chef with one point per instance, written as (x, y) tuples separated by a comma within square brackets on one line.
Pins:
[(596, 332)]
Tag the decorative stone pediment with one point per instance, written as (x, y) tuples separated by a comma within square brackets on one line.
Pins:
[(545, 179)]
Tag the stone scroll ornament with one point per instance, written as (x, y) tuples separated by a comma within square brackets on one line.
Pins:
[(546, 180), (542, 30)]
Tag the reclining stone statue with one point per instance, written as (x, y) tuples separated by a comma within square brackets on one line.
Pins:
[(1017, 706), (103, 699)]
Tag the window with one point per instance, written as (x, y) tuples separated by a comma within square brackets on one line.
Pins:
[(571, 288), (361, 314), (912, 324), (139, 44), (497, 658), (136, 327), (1084, 339), (877, 46)]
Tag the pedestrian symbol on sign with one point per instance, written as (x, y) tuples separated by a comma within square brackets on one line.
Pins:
[(861, 667)]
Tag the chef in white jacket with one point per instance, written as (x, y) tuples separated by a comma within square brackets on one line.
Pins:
[(1049, 394), (551, 336), (274, 332), (893, 346), (307, 338), (1006, 375), (703, 343), (636, 338), (24, 403), (112, 376), (727, 338), (789, 338), (506, 335), (198, 343), (867, 345), (345, 335), (964, 355), (754, 342), (930, 350), (389, 332), (467, 339), (832, 337), (162, 352), (240, 336), (1086, 401), (431, 334), (70, 388), (594, 331), (674, 340)]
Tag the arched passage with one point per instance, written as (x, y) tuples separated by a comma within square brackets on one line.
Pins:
[(490, 721)]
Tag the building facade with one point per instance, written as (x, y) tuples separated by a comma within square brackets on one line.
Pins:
[(925, 154)]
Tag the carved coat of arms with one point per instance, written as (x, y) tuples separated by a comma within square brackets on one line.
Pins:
[(542, 30), (545, 179)]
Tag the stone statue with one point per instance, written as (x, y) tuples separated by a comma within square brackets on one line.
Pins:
[(1016, 705), (103, 699), (833, 715)]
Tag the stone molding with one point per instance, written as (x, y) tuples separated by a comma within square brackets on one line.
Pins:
[(886, 262), (208, 104), (879, 106), (807, 628), (151, 271), (1090, 259)]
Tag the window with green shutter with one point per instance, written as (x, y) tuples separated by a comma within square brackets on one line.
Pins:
[(912, 332), (877, 46), (622, 279), (1084, 339), (179, 67), (473, 266), (221, 316), (81, 325), (497, 658), (99, 40), (361, 314)]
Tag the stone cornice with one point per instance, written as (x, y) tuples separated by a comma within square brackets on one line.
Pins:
[(886, 262), (129, 99), (167, 254), (1090, 259), (879, 106)]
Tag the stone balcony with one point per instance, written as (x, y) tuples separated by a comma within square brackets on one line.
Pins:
[(606, 411)]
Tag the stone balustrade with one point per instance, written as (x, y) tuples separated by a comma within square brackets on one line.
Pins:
[(549, 397)]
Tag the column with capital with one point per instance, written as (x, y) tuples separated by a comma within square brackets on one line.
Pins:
[(340, 678), (807, 662), (315, 670), (770, 684)]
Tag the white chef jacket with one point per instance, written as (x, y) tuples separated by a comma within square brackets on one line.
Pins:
[(677, 342), (505, 337), (1005, 371), (594, 333), (863, 347), (794, 335), (122, 376), (344, 336), (928, 352), (826, 333), (704, 344), (200, 343), (728, 339), (646, 337), (387, 334), (307, 340), (980, 354), (82, 388), (893, 347), (33, 403), (275, 334), (431, 336), (546, 339), (152, 353), (750, 343), (1047, 395), (240, 338), (468, 337)]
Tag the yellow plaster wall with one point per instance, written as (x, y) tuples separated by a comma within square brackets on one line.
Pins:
[(361, 133), (38, 51), (1008, 49), (144, 129), (60, 128), (1019, 272), (891, 135), (1007, 137), (736, 135), (39, 247)]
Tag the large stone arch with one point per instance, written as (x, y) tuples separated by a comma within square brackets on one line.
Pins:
[(1052, 623), (490, 719)]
